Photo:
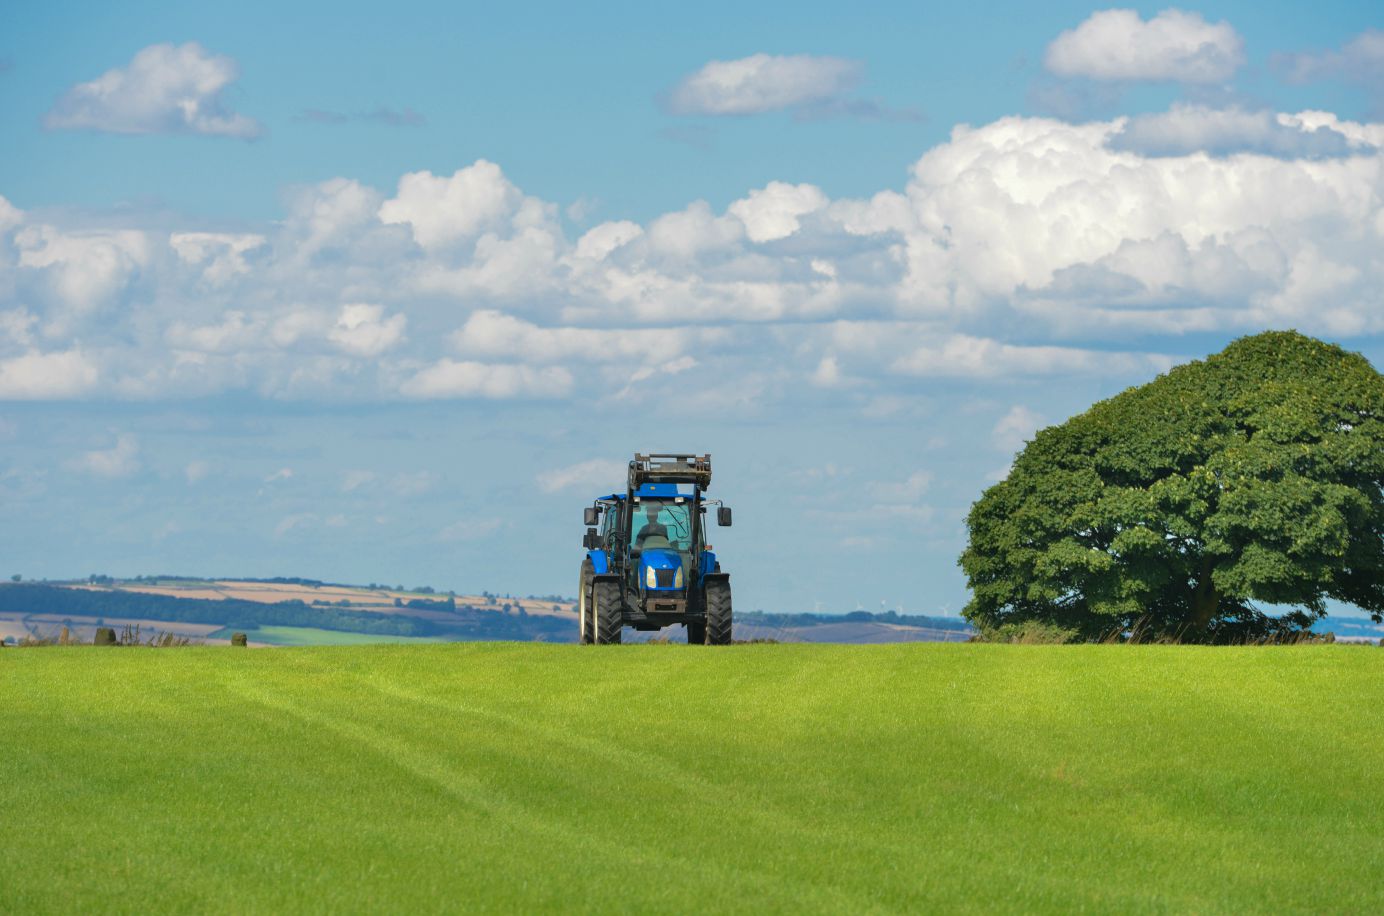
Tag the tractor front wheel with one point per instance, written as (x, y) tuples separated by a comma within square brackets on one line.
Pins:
[(718, 614), (605, 612)]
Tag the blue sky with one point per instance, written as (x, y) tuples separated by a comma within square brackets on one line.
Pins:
[(518, 84), (387, 293)]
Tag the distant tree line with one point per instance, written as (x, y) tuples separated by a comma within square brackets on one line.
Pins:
[(469, 623), (425, 604), (56, 600), (103, 579), (760, 618), (287, 580)]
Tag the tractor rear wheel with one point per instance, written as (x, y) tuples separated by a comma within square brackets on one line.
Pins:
[(585, 629), (696, 632), (718, 614), (605, 612)]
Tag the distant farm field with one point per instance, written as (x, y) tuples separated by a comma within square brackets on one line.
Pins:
[(311, 636), (789, 778)]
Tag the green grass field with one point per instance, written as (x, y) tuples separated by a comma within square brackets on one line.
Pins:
[(671, 778)]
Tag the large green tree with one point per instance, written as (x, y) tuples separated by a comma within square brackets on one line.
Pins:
[(1185, 507)]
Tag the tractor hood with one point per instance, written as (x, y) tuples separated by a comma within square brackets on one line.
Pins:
[(661, 569), (660, 558)]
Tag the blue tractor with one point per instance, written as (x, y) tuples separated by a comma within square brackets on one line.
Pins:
[(647, 563)]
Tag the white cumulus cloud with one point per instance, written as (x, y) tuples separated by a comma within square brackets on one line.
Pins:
[(164, 89), (449, 378), (220, 255), (82, 270), (1010, 246), (1187, 129), (236, 331), (363, 330), (763, 82), (600, 241), (978, 357), (1175, 45), (691, 232), (491, 334), (1049, 217), (443, 209), (773, 212), (10, 215), (37, 376), (327, 212)]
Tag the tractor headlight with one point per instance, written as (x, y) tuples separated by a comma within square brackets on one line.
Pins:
[(650, 580), (677, 578)]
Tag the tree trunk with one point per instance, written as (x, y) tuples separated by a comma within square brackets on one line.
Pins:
[(1205, 600)]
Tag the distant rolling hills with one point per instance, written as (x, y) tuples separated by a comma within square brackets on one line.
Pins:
[(287, 612), (309, 612)]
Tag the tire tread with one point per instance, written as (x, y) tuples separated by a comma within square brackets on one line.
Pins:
[(606, 609), (718, 614)]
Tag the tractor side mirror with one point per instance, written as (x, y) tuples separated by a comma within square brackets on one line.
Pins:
[(591, 540), (590, 516), (723, 516)]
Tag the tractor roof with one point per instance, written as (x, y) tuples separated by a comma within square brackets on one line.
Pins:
[(650, 490)]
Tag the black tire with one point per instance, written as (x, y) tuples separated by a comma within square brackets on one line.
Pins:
[(696, 632), (585, 629), (605, 608), (718, 614)]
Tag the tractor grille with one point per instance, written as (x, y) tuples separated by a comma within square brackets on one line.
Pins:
[(664, 577)]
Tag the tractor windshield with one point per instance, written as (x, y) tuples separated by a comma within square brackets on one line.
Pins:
[(662, 523)]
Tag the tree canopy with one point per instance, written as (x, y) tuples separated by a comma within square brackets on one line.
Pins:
[(1181, 508)]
